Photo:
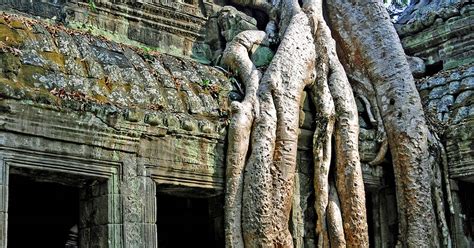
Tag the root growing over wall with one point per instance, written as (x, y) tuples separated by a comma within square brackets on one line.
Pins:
[(263, 132)]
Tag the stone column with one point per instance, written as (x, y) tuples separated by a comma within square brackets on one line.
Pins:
[(150, 212), (377, 216), (100, 215), (216, 219), (3, 202), (458, 218), (133, 191), (387, 217)]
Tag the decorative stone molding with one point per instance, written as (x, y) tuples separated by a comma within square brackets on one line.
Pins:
[(15, 158), (172, 26)]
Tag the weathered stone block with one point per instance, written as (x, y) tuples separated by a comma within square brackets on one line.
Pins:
[(465, 98), (99, 236), (467, 83), (445, 104)]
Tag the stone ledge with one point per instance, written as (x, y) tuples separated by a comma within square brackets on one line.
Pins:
[(425, 14), (64, 69), (177, 157), (449, 41)]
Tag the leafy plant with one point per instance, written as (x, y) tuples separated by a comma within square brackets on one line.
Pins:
[(205, 83), (92, 5)]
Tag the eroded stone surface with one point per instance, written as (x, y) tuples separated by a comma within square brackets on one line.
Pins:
[(63, 68), (172, 26), (440, 33)]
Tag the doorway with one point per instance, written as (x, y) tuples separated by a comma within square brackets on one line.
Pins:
[(467, 204), (186, 222), (41, 214)]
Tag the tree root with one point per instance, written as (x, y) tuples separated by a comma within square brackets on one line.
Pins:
[(236, 57), (438, 154), (380, 157), (332, 84), (365, 91), (322, 148), (373, 47), (335, 222), (306, 50)]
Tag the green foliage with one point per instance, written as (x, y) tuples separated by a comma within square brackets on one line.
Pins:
[(147, 53), (92, 5), (209, 87), (205, 83)]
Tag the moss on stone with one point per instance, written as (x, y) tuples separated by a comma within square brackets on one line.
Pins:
[(55, 58), (9, 62), (29, 74), (10, 36), (11, 89)]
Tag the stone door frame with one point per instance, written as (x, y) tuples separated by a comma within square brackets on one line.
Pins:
[(23, 158), (156, 175)]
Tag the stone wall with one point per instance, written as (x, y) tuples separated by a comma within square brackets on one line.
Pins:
[(448, 99), (138, 119), (77, 104), (171, 26), (441, 33)]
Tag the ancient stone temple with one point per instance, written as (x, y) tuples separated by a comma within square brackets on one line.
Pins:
[(114, 117)]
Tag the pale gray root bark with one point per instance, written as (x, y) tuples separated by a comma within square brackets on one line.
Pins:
[(337, 96), (270, 169), (334, 219), (438, 199), (443, 160), (350, 185), (447, 183), (291, 69), (257, 191), (376, 121), (363, 89), (322, 145), (436, 160), (380, 157), (237, 58), (269, 173), (374, 47)]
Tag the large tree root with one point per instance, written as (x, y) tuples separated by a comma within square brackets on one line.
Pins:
[(373, 47), (264, 128), (239, 130), (335, 222), (270, 169), (348, 171), (322, 147), (437, 160)]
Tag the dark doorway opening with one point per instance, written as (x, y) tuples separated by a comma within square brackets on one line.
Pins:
[(185, 222), (434, 68), (467, 204), (370, 217), (41, 214)]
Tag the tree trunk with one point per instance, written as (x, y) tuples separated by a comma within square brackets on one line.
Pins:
[(263, 134), (370, 44), (280, 92), (239, 130)]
